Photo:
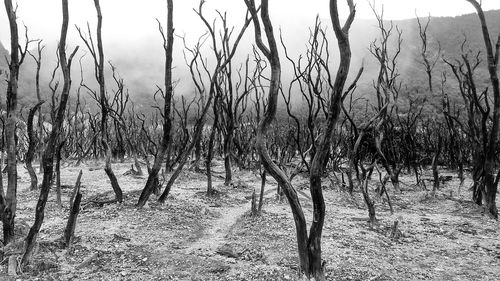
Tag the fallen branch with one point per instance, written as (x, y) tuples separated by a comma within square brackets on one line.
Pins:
[(87, 261)]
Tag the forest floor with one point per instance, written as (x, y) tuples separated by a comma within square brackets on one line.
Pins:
[(195, 237)]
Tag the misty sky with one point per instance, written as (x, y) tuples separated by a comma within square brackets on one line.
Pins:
[(132, 20)]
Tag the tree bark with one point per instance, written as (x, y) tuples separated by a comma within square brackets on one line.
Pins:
[(32, 147), (104, 107), (318, 163), (74, 206), (48, 156), (167, 120), (492, 54), (10, 202), (38, 61), (210, 152), (435, 171), (261, 139), (58, 173)]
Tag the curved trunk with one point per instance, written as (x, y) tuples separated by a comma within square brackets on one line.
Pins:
[(111, 175), (492, 53), (48, 156), (319, 161), (261, 138), (32, 147)]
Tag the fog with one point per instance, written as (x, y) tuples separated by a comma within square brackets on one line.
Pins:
[(132, 41)]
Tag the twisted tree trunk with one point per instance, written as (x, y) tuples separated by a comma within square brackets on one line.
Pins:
[(492, 53), (309, 246), (261, 139), (50, 149), (32, 147)]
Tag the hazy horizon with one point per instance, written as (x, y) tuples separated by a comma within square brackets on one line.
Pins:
[(139, 56), (128, 20)]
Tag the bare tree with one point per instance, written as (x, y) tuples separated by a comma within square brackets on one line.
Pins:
[(167, 119), (50, 149), (429, 60), (32, 143), (309, 244), (387, 87), (8, 202), (38, 60), (490, 181), (102, 97), (483, 121), (221, 62)]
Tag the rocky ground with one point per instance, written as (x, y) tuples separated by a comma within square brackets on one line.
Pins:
[(195, 237)]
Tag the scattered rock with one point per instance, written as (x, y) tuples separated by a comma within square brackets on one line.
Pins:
[(227, 251)]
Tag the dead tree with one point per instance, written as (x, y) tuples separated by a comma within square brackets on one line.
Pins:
[(435, 160), (233, 104), (483, 121), (98, 57), (8, 202), (74, 206), (38, 61), (311, 78), (221, 63), (222, 88), (429, 60), (455, 133), (167, 119), (359, 155), (32, 143), (489, 184), (57, 159), (477, 108), (387, 88), (50, 149), (309, 244)]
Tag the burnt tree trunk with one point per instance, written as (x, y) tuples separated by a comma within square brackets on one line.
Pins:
[(200, 123), (58, 173), (370, 203), (185, 154), (152, 181), (272, 56), (210, 152), (38, 61), (318, 163), (10, 201), (32, 143), (50, 149), (492, 53), (435, 158), (104, 107), (262, 188), (228, 140), (74, 207)]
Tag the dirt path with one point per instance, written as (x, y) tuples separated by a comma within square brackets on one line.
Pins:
[(215, 236)]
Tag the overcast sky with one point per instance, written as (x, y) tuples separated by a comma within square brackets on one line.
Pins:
[(130, 20)]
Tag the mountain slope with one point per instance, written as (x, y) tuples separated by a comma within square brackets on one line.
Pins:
[(141, 63)]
